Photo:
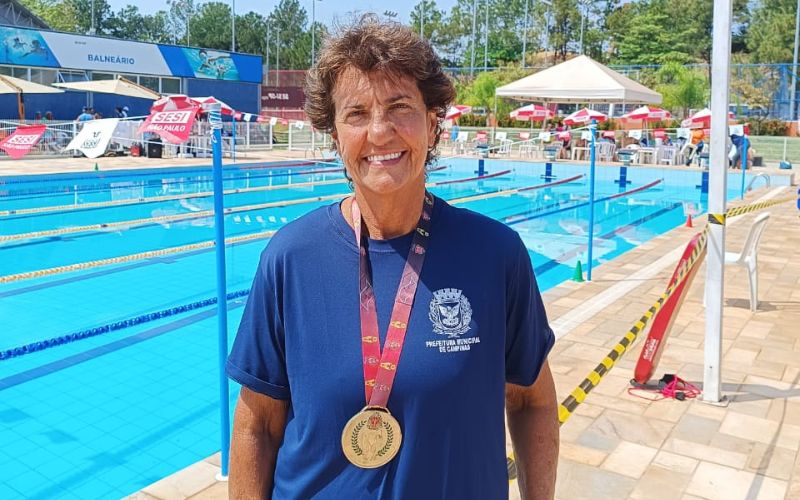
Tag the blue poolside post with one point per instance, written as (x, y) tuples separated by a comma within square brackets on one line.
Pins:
[(233, 139), (593, 128), (215, 117), (744, 161)]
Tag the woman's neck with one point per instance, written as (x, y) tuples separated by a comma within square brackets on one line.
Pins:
[(386, 217)]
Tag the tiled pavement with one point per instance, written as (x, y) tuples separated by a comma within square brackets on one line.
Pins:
[(616, 445)]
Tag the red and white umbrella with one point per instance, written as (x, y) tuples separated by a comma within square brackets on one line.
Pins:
[(226, 110), (454, 112), (647, 114), (176, 102), (584, 116), (702, 119), (532, 112)]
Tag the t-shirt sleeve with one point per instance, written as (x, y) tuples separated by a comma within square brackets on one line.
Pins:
[(528, 334), (258, 357)]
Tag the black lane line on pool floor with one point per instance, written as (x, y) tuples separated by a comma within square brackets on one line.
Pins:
[(75, 359)]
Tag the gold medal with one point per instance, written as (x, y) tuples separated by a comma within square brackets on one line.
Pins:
[(371, 438)]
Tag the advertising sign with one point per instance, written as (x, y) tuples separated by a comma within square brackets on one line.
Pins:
[(106, 54), (24, 138), (211, 64), (282, 97), (173, 126), (29, 47), (94, 137), (25, 47)]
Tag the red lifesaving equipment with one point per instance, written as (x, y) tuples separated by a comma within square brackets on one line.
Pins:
[(662, 323)]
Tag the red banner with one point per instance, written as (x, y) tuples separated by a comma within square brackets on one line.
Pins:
[(22, 140), (173, 126)]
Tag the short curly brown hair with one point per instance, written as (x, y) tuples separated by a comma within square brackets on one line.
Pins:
[(371, 44)]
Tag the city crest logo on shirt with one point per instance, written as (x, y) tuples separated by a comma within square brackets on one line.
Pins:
[(450, 313)]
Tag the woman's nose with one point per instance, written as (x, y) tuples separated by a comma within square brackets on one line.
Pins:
[(381, 128)]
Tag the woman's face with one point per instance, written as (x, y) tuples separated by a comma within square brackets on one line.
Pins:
[(383, 130)]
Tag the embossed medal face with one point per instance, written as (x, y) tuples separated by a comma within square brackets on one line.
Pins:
[(371, 438)]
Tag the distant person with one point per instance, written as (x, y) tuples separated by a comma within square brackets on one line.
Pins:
[(695, 145), (735, 154), (85, 116), (48, 116), (125, 111), (37, 117)]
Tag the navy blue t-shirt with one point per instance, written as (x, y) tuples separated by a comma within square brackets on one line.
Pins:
[(477, 322)]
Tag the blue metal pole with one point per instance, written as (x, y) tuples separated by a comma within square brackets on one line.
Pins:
[(593, 128), (744, 161), (215, 117), (233, 139)]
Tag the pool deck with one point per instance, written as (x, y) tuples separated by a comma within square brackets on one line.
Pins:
[(616, 445)]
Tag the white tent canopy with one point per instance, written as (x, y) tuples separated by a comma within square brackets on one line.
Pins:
[(579, 80), (118, 86)]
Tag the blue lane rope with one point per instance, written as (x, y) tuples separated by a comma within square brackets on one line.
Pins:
[(112, 327)]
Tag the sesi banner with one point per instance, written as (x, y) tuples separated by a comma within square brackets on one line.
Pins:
[(173, 126), (24, 138)]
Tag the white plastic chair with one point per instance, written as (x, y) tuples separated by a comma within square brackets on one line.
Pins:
[(748, 256), (505, 143), (460, 144)]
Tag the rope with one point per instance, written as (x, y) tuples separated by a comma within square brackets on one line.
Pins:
[(578, 395)]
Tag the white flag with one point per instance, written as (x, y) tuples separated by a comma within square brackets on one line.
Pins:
[(636, 134), (737, 130), (273, 120), (93, 138), (586, 135)]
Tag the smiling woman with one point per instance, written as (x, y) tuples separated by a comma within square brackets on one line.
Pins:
[(470, 325)]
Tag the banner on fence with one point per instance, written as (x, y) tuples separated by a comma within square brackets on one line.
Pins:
[(24, 138), (173, 126), (94, 137)]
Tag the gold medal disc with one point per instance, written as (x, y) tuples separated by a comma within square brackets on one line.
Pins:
[(371, 438)]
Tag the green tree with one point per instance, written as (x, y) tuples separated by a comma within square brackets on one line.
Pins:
[(251, 32), (288, 22), (682, 88), (770, 37), (59, 15), (211, 26)]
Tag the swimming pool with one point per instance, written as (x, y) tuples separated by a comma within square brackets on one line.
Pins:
[(119, 388)]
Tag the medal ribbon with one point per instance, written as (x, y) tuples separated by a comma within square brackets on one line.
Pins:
[(380, 365)]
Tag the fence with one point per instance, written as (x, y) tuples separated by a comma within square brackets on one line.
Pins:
[(248, 136)]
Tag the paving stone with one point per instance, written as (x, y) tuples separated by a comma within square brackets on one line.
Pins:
[(696, 429), (185, 483), (660, 483), (579, 482), (629, 459)]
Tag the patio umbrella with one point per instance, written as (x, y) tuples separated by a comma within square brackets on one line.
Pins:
[(118, 86), (453, 112), (648, 114), (226, 110), (532, 112), (702, 119), (584, 116), (11, 85), (176, 102)]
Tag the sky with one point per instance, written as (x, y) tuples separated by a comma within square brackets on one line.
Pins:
[(326, 10)]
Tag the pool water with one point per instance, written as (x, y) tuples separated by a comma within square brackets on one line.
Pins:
[(120, 387)]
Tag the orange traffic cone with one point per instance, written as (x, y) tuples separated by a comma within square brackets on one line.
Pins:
[(689, 221)]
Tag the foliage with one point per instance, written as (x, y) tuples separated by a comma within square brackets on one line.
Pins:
[(682, 88), (761, 126), (771, 34), (211, 26)]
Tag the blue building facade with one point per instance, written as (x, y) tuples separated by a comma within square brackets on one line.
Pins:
[(49, 57)]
